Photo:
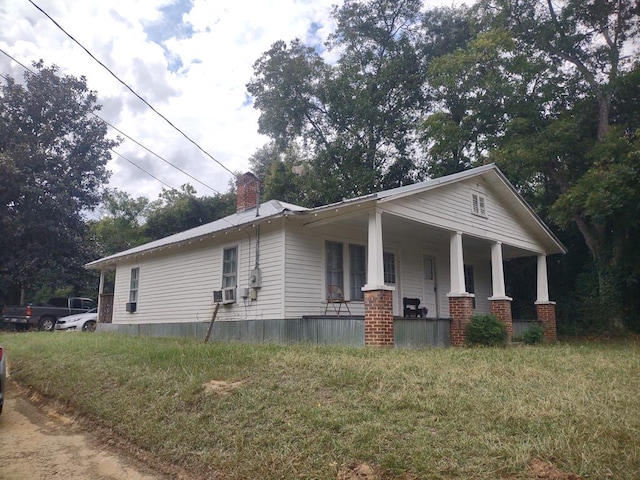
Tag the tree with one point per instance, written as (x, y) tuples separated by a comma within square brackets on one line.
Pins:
[(53, 155), (575, 144), (281, 174), (179, 210), (353, 120), (122, 225)]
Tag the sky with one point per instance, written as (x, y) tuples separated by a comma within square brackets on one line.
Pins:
[(190, 59)]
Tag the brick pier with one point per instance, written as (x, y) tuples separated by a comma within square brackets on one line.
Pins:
[(378, 318)]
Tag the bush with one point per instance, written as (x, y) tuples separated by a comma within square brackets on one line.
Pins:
[(534, 335), (486, 330)]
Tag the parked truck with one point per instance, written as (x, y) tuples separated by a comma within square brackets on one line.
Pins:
[(44, 317)]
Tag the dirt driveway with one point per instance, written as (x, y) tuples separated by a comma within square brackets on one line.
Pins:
[(36, 443)]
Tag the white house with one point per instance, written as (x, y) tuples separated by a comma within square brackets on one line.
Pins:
[(442, 241)]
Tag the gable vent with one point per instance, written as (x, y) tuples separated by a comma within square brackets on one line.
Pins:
[(478, 205)]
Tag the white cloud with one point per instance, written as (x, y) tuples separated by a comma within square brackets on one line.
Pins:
[(205, 96)]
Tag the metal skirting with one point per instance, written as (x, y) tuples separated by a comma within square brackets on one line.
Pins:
[(521, 326), (422, 332), (346, 331), (314, 330)]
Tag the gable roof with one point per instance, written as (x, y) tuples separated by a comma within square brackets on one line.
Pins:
[(276, 208)]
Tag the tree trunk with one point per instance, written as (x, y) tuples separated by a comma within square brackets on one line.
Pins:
[(604, 109)]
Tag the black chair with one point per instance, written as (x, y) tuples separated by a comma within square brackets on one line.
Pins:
[(411, 307)]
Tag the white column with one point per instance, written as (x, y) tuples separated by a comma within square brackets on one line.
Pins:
[(457, 265), (375, 265), (497, 273), (100, 290), (543, 282)]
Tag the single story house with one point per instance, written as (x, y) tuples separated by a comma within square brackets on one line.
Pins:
[(442, 241)]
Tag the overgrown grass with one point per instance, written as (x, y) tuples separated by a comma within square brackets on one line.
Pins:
[(302, 411)]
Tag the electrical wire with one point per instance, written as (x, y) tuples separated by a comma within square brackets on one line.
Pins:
[(138, 166), (131, 89), (127, 136)]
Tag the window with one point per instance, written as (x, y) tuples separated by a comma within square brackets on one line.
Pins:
[(469, 282), (334, 266), (478, 205), (88, 304), (389, 262), (133, 286), (230, 267), (428, 268), (357, 271)]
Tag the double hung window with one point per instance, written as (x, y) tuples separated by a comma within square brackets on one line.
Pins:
[(230, 267), (134, 284), (357, 271), (334, 264)]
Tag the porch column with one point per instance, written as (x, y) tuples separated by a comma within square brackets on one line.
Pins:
[(460, 302), (545, 309), (378, 299), (500, 303), (100, 290)]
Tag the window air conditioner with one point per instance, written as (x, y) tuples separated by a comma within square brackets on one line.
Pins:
[(131, 307), (226, 295), (229, 295)]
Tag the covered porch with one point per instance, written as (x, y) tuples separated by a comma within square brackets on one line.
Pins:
[(454, 274)]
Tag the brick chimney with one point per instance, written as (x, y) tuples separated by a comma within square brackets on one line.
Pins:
[(247, 190)]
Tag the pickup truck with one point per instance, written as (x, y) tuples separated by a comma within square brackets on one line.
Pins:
[(44, 317)]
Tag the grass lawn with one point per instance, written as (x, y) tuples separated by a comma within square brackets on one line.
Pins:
[(241, 411)]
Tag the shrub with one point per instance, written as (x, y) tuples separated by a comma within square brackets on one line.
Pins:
[(534, 335), (486, 330)]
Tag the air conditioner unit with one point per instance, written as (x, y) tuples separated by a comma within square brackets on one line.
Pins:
[(217, 296), (131, 307), (229, 295)]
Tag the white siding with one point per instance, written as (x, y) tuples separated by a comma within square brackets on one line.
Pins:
[(305, 268), (449, 207), (178, 285)]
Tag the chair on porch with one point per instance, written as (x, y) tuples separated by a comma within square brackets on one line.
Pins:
[(411, 308), (336, 297)]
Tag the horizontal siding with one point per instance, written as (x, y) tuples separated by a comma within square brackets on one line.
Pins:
[(305, 268), (178, 285), (449, 207)]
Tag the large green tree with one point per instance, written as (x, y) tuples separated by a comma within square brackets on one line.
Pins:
[(576, 150), (53, 155), (353, 120), (121, 225), (179, 210)]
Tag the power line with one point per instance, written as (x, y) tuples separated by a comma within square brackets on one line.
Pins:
[(138, 166), (130, 89), (128, 136), (155, 154)]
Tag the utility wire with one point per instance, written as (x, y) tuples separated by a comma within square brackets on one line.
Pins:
[(138, 166), (129, 137), (131, 90), (155, 154)]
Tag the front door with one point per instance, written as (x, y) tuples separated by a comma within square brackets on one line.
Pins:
[(429, 286)]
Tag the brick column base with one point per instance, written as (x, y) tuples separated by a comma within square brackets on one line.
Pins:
[(501, 308), (546, 313), (378, 318), (461, 312)]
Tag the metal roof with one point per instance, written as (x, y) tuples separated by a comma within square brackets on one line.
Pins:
[(275, 208), (270, 209)]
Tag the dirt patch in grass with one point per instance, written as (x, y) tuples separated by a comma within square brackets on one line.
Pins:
[(220, 387), (547, 471), (357, 471)]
